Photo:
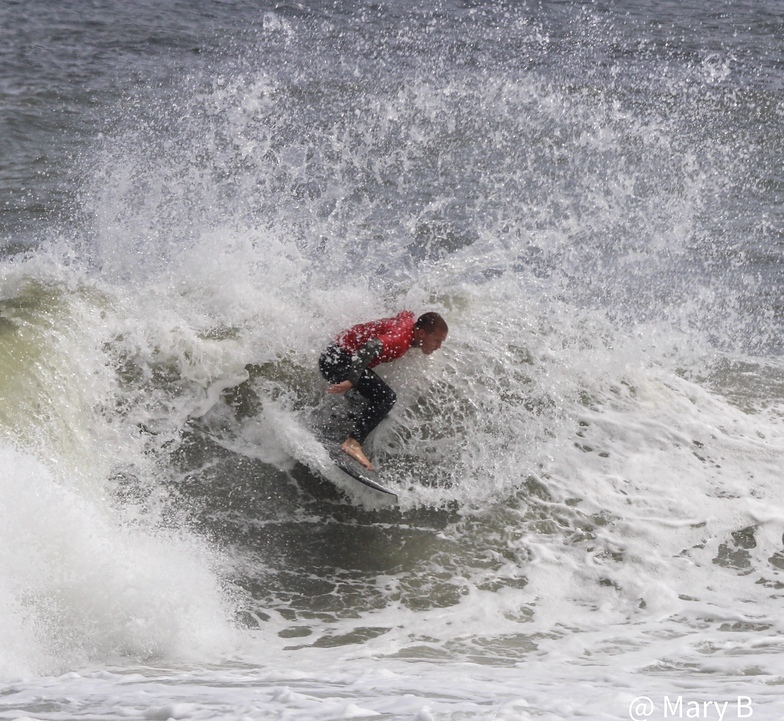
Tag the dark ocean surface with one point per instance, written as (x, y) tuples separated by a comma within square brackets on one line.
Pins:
[(196, 197)]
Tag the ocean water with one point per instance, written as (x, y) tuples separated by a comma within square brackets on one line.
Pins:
[(195, 197)]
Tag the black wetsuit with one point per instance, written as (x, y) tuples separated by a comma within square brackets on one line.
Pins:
[(337, 365)]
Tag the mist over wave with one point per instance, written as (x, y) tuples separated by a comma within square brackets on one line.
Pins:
[(588, 470)]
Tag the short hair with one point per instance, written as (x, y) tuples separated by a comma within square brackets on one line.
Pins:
[(431, 323)]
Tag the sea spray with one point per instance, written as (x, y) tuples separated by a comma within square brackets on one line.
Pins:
[(587, 471)]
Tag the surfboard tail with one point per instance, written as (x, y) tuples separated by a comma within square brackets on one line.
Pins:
[(356, 470)]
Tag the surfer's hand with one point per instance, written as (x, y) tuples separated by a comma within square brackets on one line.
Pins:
[(341, 387)]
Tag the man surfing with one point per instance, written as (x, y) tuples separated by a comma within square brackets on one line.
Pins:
[(347, 364)]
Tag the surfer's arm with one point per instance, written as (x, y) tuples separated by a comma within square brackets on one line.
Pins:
[(359, 361), (362, 359)]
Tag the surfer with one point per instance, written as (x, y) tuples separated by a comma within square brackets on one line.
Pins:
[(347, 364)]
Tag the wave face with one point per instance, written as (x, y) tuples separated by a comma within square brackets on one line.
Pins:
[(588, 472)]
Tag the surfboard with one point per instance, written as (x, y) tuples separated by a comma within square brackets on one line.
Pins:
[(331, 422), (356, 470)]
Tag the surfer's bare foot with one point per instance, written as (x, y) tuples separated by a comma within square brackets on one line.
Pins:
[(352, 448)]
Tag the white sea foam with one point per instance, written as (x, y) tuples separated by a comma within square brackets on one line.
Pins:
[(588, 472), (80, 587)]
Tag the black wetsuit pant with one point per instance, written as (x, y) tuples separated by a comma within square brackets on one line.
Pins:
[(335, 365)]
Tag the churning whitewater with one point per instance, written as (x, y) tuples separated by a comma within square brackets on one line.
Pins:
[(197, 199)]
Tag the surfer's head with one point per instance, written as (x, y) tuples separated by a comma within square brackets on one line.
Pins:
[(430, 331)]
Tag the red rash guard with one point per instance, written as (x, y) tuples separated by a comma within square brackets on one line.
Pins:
[(396, 336)]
